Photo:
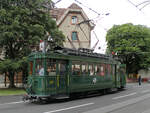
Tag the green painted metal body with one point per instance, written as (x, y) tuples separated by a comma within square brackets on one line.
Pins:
[(54, 85)]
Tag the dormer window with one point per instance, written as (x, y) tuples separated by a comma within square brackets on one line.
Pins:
[(74, 19)]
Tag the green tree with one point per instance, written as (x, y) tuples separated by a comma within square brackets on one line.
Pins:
[(23, 23), (132, 45)]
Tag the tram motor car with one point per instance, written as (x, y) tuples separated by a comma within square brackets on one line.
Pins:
[(66, 72)]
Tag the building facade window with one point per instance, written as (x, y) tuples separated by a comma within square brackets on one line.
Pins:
[(74, 19), (74, 36)]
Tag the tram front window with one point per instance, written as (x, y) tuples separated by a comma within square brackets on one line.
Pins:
[(51, 67)]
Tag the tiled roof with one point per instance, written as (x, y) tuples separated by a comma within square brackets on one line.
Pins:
[(58, 12), (74, 6)]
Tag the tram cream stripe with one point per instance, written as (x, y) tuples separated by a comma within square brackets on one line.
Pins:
[(124, 95), (69, 108)]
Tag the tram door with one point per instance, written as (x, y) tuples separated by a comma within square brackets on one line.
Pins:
[(117, 76), (62, 74)]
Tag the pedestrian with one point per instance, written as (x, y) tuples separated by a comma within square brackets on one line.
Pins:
[(139, 80)]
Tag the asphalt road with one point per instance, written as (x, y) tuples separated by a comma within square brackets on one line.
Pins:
[(135, 99)]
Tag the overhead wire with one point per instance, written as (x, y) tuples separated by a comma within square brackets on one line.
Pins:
[(87, 7), (142, 3), (90, 8), (57, 1), (137, 5), (94, 20), (145, 5)]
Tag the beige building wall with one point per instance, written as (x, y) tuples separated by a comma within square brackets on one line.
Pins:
[(67, 28), (144, 73)]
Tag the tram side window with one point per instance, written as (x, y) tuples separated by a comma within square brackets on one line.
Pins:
[(91, 70), (39, 68), (97, 69), (102, 69), (113, 70), (31, 68), (62, 67), (76, 68), (84, 69), (51, 67), (108, 69)]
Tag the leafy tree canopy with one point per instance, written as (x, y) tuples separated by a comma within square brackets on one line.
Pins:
[(23, 23), (132, 45)]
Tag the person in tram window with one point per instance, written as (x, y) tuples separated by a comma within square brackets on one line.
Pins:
[(51, 71), (41, 71), (91, 72), (48, 70), (37, 70)]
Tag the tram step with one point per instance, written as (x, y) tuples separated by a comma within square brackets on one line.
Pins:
[(62, 97)]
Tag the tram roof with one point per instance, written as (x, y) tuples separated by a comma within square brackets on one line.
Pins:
[(70, 54)]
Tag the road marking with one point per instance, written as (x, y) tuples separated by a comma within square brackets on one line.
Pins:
[(124, 95), (145, 91), (12, 103), (119, 105), (69, 108)]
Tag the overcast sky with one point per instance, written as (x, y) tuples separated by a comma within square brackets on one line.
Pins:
[(121, 12)]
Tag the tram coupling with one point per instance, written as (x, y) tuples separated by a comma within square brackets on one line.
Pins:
[(28, 98)]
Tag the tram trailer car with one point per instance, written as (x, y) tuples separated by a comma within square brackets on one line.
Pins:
[(64, 73)]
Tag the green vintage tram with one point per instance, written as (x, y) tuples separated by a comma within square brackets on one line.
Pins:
[(66, 72)]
